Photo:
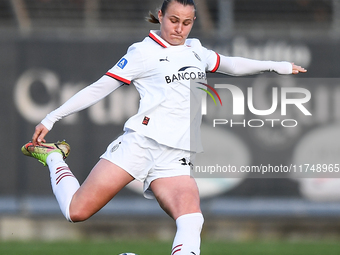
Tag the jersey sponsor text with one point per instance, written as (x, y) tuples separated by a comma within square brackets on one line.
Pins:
[(182, 76)]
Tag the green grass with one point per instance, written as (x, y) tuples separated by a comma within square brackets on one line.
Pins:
[(157, 248)]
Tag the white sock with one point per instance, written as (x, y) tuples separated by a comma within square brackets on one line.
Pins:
[(63, 182), (188, 236)]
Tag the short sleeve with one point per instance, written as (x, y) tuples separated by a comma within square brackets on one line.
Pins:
[(129, 67), (212, 60), (210, 57)]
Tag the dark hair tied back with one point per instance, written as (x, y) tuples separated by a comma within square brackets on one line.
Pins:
[(152, 18)]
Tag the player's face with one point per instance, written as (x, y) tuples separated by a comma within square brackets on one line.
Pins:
[(176, 22)]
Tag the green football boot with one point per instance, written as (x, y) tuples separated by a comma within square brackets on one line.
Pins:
[(40, 152)]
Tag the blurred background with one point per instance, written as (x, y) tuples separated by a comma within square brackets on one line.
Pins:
[(51, 49)]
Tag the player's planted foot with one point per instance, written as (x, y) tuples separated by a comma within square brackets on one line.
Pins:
[(41, 152)]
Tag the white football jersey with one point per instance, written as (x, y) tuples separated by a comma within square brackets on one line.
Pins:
[(161, 73)]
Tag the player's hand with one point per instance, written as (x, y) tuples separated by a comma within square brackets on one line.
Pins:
[(39, 134), (297, 69)]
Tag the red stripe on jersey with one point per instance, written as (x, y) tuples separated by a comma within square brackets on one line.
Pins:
[(217, 63), (118, 78), (153, 37)]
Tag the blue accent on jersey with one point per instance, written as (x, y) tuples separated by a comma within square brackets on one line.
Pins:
[(122, 63)]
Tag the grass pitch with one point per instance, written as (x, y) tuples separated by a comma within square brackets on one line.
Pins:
[(157, 248)]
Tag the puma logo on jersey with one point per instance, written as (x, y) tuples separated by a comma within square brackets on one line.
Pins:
[(164, 59)]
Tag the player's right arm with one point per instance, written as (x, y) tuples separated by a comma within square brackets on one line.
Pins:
[(130, 66), (82, 100), (39, 134)]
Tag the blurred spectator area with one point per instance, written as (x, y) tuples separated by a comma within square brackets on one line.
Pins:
[(218, 17)]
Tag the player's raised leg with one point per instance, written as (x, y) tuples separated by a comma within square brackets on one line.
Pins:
[(63, 182), (179, 197), (76, 202)]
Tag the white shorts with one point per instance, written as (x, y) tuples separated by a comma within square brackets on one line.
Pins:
[(147, 160)]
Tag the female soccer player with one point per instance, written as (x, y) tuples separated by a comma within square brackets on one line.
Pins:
[(155, 147)]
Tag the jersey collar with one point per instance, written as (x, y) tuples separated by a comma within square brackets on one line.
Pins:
[(155, 35)]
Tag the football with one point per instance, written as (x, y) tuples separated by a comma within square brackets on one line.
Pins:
[(128, 253)]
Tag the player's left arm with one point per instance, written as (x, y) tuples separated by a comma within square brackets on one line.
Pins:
[(81, 100), (238, 66)]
